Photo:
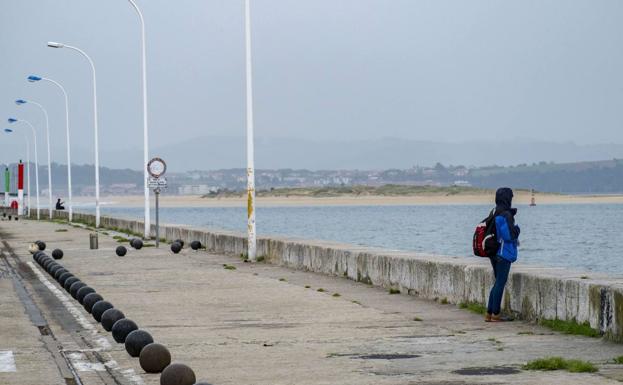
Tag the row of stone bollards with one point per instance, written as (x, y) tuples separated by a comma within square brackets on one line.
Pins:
[(153, 357)]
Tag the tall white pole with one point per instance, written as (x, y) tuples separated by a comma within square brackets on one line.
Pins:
[(34, 135), (147, 227), (28, 171), (69, 195), (97, 154), (252, 242), (47, 132)]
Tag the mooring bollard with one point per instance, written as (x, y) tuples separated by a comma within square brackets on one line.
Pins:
[(154, 358), (136, 341), (122, 328), (93, 241), (109, 317), (177, 374)]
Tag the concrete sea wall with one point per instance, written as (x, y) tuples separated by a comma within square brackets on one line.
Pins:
[(533, 292)]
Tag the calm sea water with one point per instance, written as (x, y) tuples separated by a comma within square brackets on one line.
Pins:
[(585, 237)]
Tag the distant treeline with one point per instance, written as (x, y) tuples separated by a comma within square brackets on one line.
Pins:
[(600, 180)]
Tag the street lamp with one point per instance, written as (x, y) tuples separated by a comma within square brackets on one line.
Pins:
[(251, 242), (97, 162), (147, 227), (8, 131), (34, 135), (34, 79), (21, 102)]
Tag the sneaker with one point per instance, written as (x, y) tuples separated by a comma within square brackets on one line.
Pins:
[(501, 318)]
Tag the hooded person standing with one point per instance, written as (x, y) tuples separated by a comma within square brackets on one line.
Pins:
[(508, 238)]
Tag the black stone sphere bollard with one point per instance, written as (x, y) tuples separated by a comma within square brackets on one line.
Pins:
[(38, 254), (90, 300), (121, 251), (154, 358), (54, 268), (177, 374), (122, 328), (64, 277), (42, 259), (59, 272), (41, 245), (137, 243), (110, 316), (99, 308), (70, 281), (57, 254), (195, 245), (83, 292), (73, 290), (176, 247), (48, 262), (136, 341), (180, 242)]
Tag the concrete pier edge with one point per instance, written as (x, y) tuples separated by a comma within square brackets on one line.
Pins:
[(533, 293)]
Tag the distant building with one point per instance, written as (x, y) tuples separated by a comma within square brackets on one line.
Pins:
[(195, 189)]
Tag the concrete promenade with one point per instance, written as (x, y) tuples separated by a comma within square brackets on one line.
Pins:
[(255, 324)]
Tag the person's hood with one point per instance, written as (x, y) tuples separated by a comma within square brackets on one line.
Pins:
[(503, 199)]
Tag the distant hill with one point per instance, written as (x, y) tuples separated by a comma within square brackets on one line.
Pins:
[(224, 152)]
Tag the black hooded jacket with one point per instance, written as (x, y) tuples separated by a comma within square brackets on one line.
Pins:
[(507, 231)]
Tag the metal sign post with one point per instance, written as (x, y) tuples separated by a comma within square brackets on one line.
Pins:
[(156, 168)]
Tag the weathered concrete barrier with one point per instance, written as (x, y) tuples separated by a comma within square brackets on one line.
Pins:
[(533, 293)]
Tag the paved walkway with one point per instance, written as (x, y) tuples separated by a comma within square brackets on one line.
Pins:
[(255, 324)]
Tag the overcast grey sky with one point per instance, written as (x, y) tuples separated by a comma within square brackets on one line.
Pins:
[(443, 70)]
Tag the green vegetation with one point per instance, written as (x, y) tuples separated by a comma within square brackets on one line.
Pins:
[(307, 287), (473, 307), (336, 295), (619, 360), (417, 319), (229, 267), (584, 277), (356, 302), (526, 333), (355, 191), (571, 327), (120, 239), (394, 291), (261, 258), (559, 363), (321, 290), (444, 301), (282, 279), (60, 230)]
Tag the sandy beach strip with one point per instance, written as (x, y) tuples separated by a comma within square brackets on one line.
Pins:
[(459, 199)]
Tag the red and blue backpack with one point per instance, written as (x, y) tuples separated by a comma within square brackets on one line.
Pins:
[(485, 242)]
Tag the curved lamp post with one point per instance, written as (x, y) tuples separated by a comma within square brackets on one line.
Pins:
[(97, 162), (8, 131), (34, 135), (21, 102), (33, 79), (252, 246), (147, 222)]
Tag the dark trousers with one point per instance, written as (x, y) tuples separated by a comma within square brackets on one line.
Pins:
[(501, 268)]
